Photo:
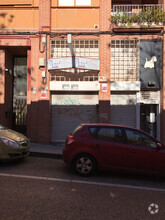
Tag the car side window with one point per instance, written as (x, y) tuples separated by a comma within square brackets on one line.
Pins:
[(110, 134), (138, 138)]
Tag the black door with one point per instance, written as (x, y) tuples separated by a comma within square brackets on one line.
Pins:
[(20, 94)]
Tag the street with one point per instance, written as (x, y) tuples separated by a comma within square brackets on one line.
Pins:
[(45, 188)]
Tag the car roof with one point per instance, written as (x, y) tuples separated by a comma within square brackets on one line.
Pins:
[(106, 125)]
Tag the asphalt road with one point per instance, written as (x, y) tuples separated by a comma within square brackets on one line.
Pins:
[(45, 188)]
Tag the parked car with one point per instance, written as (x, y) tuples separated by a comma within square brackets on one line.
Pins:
[(13, 145), (116, 147)]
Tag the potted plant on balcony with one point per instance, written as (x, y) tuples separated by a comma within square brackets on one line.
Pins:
[(148, 16)]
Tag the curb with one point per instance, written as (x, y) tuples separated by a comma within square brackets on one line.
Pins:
[(46, 155)]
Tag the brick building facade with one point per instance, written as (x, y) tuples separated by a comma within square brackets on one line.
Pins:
[(46, 89)]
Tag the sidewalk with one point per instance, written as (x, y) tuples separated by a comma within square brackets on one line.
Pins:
[(46, 150)]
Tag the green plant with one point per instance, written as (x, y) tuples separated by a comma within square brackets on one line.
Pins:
[(146, 15)]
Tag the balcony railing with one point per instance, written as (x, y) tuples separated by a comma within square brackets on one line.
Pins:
[(130, 15)]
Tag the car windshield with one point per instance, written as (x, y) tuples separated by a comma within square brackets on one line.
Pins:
[(2, 127)]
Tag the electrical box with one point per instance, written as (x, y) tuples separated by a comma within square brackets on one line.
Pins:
[(41, 61), (43, 74), (69, 38), (103, 79), (44, 40)]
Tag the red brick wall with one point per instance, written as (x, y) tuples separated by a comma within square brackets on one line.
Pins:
[(44, 13), (6, 62), (8, 89), (104, 97), (2, 87), (38, 109)]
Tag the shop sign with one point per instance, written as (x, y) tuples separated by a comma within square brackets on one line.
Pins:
[(86, 63), (60, 63), (74, 62)]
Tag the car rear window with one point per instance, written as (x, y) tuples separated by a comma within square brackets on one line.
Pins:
[(76, 130), (93, 131)]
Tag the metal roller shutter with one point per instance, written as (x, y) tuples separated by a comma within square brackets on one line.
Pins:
[(68, 112), (123, 109)]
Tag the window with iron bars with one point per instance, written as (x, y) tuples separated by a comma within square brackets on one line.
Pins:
[(82, 48), (124, 60)]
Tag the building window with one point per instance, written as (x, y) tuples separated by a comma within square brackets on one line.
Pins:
[(83, 2), (124, 60), (74, 2), (82, 48)]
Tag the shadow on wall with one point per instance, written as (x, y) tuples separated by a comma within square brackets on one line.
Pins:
[(123, 115), (1, 83), (5, 20), (38, 121), (104, 111)]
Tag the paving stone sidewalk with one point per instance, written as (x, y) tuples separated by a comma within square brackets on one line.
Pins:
[(46, 150)]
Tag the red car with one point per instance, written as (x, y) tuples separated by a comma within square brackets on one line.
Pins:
[(106, 146)]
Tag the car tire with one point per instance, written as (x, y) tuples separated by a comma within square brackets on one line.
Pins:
[(84, 165)]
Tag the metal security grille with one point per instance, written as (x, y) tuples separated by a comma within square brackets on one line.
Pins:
[(82, 48), (124, 60), (130, 9)]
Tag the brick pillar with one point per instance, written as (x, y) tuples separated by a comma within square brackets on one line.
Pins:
[(2, 76), (6, 88), (44, 13), (38, 107), (104, 93), (2, 87)]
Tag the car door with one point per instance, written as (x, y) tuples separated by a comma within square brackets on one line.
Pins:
[(108, 141), (143, 152)]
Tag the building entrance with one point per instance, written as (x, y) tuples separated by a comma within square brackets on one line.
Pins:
[(20, 94), (148, 118)]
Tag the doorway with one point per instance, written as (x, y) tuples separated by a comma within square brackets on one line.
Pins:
[(148, 118), (20, 94)]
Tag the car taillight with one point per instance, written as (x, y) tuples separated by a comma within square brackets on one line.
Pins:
[(70, 140)]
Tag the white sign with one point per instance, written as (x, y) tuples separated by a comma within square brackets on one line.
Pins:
[(61, 63), (104, 87), (150, 63), (86, 63), (43, 94), (80, 63)]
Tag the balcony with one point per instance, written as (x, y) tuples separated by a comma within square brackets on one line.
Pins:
[(74, 81), (137, 16)]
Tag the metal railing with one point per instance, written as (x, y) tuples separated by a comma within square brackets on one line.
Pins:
[(138, 14), (78, 78), (134, 8)]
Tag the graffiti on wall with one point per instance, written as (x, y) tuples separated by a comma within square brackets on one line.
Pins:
[(67, 101)]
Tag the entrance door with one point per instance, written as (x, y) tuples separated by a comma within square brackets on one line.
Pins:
[(20, 94), (148, 118)]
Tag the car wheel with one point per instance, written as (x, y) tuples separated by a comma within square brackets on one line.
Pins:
[(84, 165)]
